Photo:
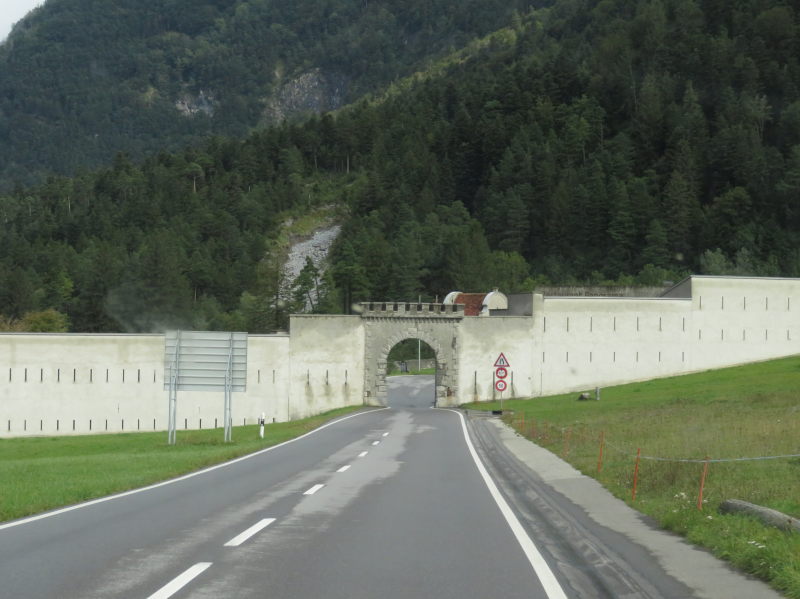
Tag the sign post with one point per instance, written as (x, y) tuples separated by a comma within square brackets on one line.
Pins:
[(501, 367), (204, 361)]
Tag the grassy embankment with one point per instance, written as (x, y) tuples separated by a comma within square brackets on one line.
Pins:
[(42, 473), (747, 411)]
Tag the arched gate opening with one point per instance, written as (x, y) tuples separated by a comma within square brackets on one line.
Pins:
[(388, 324)]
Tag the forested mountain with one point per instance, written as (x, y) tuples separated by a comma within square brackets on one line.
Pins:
[(83, 79), (591, 141)]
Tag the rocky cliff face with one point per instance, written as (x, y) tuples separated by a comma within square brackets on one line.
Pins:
[(312, 92)]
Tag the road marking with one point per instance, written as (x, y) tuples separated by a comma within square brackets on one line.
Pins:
[(540, 567), (362, 454), (180, 478), (313, 489), (375, 442), (241, 538), (172, 587), (385, 434), (343, 469)]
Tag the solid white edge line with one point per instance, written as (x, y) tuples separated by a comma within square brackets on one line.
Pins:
[(313, 489), (543, 572), (344, 468), (385, 435), (242, 537), (180, 581), (180, 478), (376, 442), (362, 454)]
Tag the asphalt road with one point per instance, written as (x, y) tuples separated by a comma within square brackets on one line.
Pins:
[(389, 503)]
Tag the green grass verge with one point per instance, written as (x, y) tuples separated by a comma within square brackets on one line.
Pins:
[(43, 473), (747, 411)]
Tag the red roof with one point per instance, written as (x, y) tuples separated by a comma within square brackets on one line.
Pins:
[(473, 302)]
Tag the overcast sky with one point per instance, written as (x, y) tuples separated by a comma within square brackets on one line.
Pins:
[(12, 11)]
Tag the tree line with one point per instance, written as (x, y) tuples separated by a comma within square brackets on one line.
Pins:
[(614, 141)]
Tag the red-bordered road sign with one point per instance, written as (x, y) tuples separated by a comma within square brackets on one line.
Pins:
[(501, 372), (501, 385), (501, 362)]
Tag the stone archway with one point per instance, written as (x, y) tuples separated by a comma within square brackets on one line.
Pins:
[(389, 323)]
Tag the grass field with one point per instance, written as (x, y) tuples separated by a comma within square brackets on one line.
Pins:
[(42, 473), (743, 412)]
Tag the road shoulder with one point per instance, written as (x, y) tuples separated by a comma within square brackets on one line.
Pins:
[(706, 575)]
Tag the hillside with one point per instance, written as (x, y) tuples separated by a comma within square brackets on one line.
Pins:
[(81, 80), (590, 142)]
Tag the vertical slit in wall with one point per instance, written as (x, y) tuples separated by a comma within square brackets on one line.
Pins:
[(722, 303), (138, 375), (123, 375), (659, 323), (591, 324), (567, 324), (567, 356), (683, 325), (637, 323), (683, 356), (25, 376), (91, 375), (590, 357), (74, 375), (41, 375), (259, 376), (614, 359), (766, 303), (615, 324), (106, 374), (545, 324), (58, 375), (637, 356)]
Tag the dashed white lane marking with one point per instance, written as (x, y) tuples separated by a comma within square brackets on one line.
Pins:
[(385, 434), (362, 454), (242, 537), (343, 469), (538, 563), (177, 583), (64, 510), (375, 442), (313, 489)]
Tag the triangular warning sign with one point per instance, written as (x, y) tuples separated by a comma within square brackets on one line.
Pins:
[(501, 361)]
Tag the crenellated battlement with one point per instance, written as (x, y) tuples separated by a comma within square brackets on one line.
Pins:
[(410, 310)]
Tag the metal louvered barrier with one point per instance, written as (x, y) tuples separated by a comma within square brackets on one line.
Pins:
[(204, 361)]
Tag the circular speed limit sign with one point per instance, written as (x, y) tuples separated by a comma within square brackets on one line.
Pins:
[(501, 373), (501, 385)]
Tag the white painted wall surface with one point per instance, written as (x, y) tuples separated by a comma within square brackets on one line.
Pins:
[(65, 384), (326, 363), (481, 340)]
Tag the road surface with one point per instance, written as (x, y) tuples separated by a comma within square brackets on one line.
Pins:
[(391, 503)]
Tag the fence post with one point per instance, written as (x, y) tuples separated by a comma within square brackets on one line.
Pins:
[(636, 472), (702, 485)]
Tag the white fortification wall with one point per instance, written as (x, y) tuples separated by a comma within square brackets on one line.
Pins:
[(65, 384), (578, 343)]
